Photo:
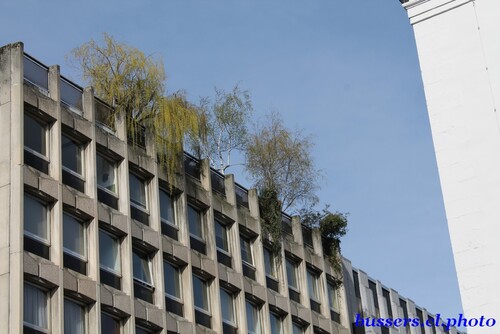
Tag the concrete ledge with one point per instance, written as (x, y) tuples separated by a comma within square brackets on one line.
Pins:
[(79, 284), (148, 312), (113, 218), (255, 289)]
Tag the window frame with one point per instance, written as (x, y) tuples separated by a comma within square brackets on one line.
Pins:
[(83, 308), (272, 264), (172, 208), (81, 146), (107, 271), (139, 285), (117, 320), (279, 318), (44, 125), (178, 273), (232, 297), (257, 309), (145, 185), (313, 283), (114, 165), (85, 238), (46, 222), (225, 227), (200, 221), (47, 309), (250, 250)]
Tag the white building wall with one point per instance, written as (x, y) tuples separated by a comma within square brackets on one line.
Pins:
[(458, 45)]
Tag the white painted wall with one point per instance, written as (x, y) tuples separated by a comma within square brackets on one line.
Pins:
[(458, 45)]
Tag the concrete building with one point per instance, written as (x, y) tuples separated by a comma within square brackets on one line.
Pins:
[(459, 53), (94, 240)]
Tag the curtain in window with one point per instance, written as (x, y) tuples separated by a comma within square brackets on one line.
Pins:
[(74, 318), (141, 268), (35, 306)]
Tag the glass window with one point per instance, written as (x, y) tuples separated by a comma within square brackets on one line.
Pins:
[(227, 306), (312, 285), (291, 273), (35, 308), (140, 330), (35, 135), (36, 223), (109, 325), (109, 252), (221, 236), (142, 268), (195, 222), (269, 263), (166, 207), (172, 277), (296, 329), (74, 236), (332, 297), (106, 174), (200, 289), (138, 191), (276, 326), (253, 318), (74, 318), (246, 250), (72, 155)]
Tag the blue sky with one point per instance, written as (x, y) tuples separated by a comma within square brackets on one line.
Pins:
[(344, 71)]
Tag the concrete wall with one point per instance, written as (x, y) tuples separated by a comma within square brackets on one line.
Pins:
[(459, 52)]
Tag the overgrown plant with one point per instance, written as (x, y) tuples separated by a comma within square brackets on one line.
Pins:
[(227, 117), (134, 84), (280, 164), (332, 226)]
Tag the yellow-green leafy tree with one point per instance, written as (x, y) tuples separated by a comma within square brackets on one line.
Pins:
[(134, 85)]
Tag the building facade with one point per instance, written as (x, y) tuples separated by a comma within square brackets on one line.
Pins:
[(94, 240), (459, 54)]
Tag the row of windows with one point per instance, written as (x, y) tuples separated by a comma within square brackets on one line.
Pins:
[(37, 313)]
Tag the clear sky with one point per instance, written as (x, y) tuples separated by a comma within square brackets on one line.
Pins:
[(346, 72)]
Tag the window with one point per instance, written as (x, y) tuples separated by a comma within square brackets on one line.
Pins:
[(333, 301), (228, 312), (138, 199), (109, 259), (307, 236), (72, 163), (373, 289), (35, 310), (74, 244), (247, 257), (167, 214), (271, 273), (253, 318), (140, 330), (173, 288), (196, 230), (222, 243), (36, 227), (297, 329), (291, 274), (35, 143), (201, 302), (106, 181), (276, 324), (388, 303), (143, 278), (313, 289), (74, 318), (109, 325)]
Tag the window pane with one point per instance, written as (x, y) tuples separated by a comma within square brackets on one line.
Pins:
[(73, 235), (74, 318), (35, 218), (72, 155), (253, 318), (35, 307), (227, 307), (35, 135), (109, 252), (138, 191), (246, 250), (275, 324), (105, 174), (142, 271), (332, 297), (221, 236), (200, 293), (296, 329), (194, 218), (109, 325), (166, 207), (172, 280), (269, 263), (312, 285), (291, 273)]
